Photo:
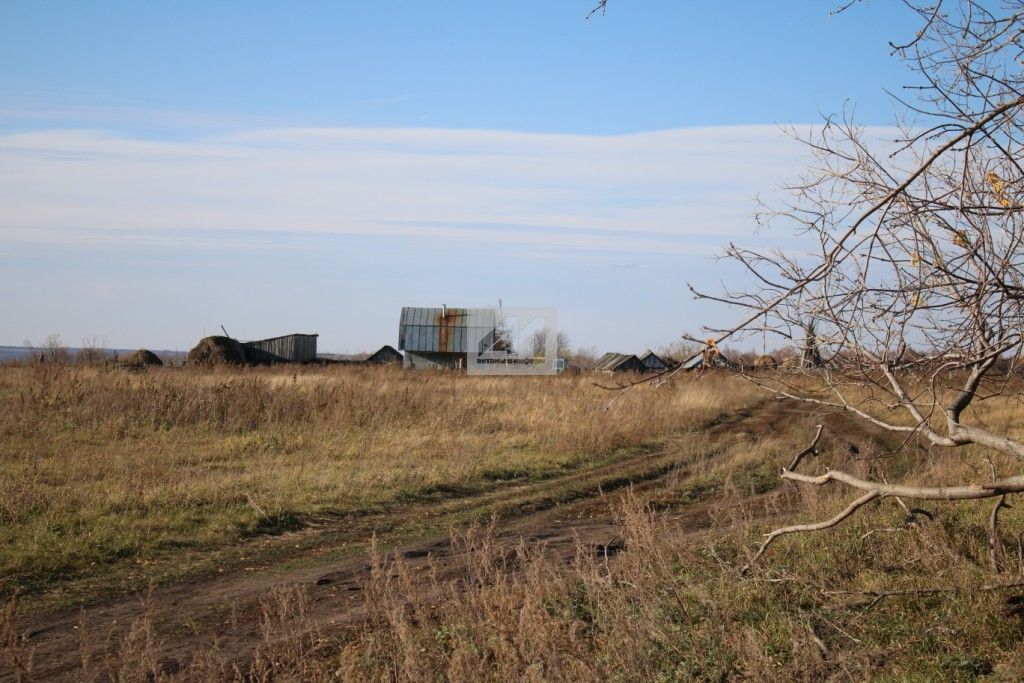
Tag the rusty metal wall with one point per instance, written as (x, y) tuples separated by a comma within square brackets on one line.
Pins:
[(440, 330)]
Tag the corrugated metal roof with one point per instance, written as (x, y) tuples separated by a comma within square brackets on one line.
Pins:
[(300, 348), (613, 361), (444, 330)]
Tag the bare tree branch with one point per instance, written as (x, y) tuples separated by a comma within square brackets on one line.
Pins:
[(816, 526), (904, 307)]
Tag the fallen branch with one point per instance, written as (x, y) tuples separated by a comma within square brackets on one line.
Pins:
[(816, 526), (878, 490), (967, 492)]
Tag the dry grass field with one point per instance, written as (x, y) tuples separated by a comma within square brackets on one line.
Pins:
[(524, 530), (103, 467)]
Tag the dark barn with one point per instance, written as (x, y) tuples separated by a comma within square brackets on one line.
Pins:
[(652, 362), (619, 362), (383, 355), (290, 348)]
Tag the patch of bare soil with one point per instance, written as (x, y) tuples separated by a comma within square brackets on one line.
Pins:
[(560, 515)]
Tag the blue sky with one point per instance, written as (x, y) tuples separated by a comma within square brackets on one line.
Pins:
[(169, 167)]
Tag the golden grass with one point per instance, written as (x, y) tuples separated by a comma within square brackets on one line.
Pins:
[(83, 451), (102, 466), (670, 609), (673, 606)]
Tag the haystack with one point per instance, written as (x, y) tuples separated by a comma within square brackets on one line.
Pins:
[(216, 351), (141, 358)]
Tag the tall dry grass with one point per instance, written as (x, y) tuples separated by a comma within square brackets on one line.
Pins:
[(671, 605), (102, 466), (669, 608), (876, 598)]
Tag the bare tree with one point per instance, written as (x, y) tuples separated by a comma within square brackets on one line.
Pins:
[(908, 307), (91, 351), (539, 339), (54, 351), (582, 357)]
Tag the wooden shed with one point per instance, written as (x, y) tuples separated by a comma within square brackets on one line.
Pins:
[(290, 348), (385, 354), (619, 362), (652, 362)]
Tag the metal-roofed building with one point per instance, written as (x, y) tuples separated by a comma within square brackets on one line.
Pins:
[(619, 362), (441, 337), (383, 355), (290, 348)]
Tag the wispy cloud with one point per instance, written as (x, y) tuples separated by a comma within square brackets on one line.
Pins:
[(660, 192)]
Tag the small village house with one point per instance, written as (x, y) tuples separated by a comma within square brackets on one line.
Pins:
[(441, 337), (652, 362), (384, 355), (619, 362)]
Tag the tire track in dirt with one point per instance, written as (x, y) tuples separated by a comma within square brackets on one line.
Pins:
[(559, 513)]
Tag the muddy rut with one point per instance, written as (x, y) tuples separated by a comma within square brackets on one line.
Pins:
[(558, 513)]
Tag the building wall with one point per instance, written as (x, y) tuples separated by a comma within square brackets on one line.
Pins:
[(440, 330), (425, 360), (654, 363), (292, 348)]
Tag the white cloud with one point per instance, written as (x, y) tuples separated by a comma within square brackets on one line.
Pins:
[(666, 191)]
